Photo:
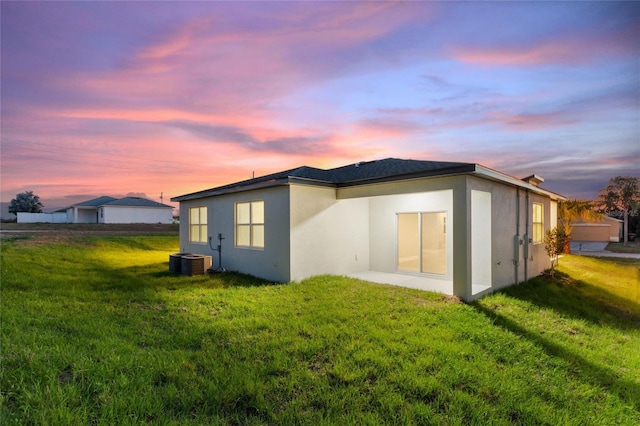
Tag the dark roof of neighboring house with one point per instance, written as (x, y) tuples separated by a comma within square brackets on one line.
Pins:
[(95, 202), (123, 202), (385, 170), (135, 202)]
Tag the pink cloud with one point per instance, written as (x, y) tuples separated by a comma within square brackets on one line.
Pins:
[(177, 42), (223, 94), (530, 121), (158, 115), (215, 67), (572, 50), (512, 56), (391, 128)]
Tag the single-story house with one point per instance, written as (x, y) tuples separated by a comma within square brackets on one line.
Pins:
[(607, 229), (107, 209), (457, 228)]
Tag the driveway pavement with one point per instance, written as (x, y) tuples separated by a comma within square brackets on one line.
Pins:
[(598, 249), (607, 254), (587, 246)]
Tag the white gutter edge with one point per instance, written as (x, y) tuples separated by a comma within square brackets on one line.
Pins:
[(495, 175)]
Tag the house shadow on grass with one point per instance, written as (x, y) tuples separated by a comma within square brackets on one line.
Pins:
[(598, 376), (575, 300), (578, 299)]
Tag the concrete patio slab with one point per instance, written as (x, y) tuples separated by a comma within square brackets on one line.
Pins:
[(403, 280)]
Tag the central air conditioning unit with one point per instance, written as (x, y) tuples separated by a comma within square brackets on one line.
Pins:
[(175, 262), (189, 263), (195, 264)]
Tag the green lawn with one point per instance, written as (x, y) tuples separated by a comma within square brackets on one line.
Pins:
[(630, 247), (99, 332)]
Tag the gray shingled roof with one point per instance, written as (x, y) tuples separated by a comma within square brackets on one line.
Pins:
[(303, 172), (135, 202), (352, 174), (105, 200), (387, 168), (95, 202), (365, 170)]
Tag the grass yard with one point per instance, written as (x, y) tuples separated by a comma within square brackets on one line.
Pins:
[(630, 247), (97, 331)]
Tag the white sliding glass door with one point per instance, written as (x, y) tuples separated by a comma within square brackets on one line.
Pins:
[(408, 242), (421, 244)]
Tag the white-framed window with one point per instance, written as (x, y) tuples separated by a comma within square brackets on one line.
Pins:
[(198, 225), (250, 224), (538, 223)]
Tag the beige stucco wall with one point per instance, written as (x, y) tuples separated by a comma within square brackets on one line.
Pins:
[(591, 232), (327, 236), (607, 229), (507, 260), (272, 262), (615, 230)]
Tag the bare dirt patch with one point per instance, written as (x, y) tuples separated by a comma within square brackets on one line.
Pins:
[(44, 233)]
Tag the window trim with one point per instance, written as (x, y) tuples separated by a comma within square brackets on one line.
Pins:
[(535, 224), (251, 225), (200, 225)]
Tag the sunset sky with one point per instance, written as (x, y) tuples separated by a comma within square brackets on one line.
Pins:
[(117, 98)]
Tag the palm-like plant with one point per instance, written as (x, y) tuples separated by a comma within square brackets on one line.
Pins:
[(571, 210)]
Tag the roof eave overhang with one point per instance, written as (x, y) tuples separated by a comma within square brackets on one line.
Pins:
[(251, 187), (137, 207), (495, 175)]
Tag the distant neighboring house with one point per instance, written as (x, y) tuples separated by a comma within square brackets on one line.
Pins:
[(457, 228), (607, 229), (124, 210), (107, 209), (4, 213)]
